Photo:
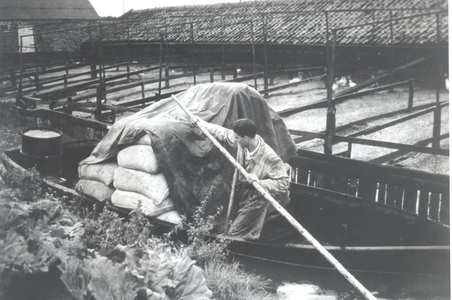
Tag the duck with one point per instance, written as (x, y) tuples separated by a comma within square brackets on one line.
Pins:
[(298, 78), (334, 86), (342, 82), (350, 83)]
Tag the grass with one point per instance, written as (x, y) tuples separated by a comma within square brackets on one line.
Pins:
[(228, 281)]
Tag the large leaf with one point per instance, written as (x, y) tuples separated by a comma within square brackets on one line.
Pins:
[(109, 280), (74, 277), (192, 284)]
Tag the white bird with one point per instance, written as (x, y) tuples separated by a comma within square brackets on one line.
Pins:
[(298, 78), (446, 83), (342, 82), (239, 71), (334, 86), (350, 82)]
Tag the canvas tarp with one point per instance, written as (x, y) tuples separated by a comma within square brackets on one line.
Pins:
[(194, 169)]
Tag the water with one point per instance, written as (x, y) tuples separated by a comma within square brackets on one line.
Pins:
[(291, 282)]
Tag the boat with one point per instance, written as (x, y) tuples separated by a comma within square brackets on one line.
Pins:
[(372, 218)]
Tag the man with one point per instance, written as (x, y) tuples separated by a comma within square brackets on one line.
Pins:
[(264, 167)]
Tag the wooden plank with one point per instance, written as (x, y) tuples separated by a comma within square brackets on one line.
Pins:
[(352, 186), (423, 203), (367, 189), (434, 207), (335, 165), (302, 176), (339, 183), (381, 198), (444, 210), (410, 200), (394, 195)]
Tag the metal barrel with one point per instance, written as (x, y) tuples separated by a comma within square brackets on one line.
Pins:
[(42, 147)]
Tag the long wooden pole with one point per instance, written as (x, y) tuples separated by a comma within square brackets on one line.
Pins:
[(281, 210)]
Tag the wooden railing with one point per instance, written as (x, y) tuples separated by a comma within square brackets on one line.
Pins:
[(421, 193), (76, 128)]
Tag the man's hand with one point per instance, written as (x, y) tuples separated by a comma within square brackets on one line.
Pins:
[(251, 178), (193, 122)]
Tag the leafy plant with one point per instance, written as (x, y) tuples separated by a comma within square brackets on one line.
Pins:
[(27, 186)]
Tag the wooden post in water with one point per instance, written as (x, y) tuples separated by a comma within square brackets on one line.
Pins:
[(392, 47), (223, 64), (192, 41), (160, 64), (411, 95), (264, 28), (437, 113), (280, 209), (254, 54), (166, 76), (37, 81), (331, 111)]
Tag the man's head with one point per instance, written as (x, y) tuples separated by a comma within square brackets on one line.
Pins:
[(245, 131)]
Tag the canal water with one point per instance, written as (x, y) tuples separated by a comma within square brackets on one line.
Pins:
[(294, 283)]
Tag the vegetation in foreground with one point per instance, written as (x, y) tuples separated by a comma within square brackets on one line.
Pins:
[(54, 248)]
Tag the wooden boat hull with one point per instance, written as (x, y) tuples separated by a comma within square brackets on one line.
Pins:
[(365, 236)]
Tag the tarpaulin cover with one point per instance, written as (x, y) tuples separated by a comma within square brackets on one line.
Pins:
[(194, 169)]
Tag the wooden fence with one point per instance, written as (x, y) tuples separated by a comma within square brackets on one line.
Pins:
[(76, 128), (421, 193)]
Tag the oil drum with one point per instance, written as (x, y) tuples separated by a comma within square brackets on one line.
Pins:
[(42, 148)]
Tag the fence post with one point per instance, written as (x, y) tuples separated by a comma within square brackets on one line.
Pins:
[(436, 127), (93, 70), (234, 73), (128, 71), (66, 67), (12, 77), (331, 111), (166, 76), (98, 110), (211, 75), (37, 81), (264, 27), (223, 63), (143, 93), (349, 150), (411, 95)]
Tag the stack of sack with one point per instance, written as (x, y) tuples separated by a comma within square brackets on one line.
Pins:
[(96, 181), (138, 181)]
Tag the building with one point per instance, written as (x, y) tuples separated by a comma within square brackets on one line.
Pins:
[(289, 32), (33, 18)]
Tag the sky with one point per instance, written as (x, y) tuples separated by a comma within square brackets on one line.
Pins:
[(116, 8)]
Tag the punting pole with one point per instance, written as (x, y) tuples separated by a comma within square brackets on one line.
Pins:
[(281, 210)]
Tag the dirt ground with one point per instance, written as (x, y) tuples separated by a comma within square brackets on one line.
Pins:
[(408, 132)]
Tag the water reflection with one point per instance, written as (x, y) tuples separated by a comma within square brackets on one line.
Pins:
[(305, 291), (292, 282)]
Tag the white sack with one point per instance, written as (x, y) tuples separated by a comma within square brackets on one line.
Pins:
[(153, 186), (144, 140), (172, 217), (130, 200), (94, 189), (138, 157), (102, 172)]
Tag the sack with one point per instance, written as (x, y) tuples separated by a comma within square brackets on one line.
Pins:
[(130, 200), (102, 172), (172, 217), (153, 186), (94, 189), (140, 158)]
